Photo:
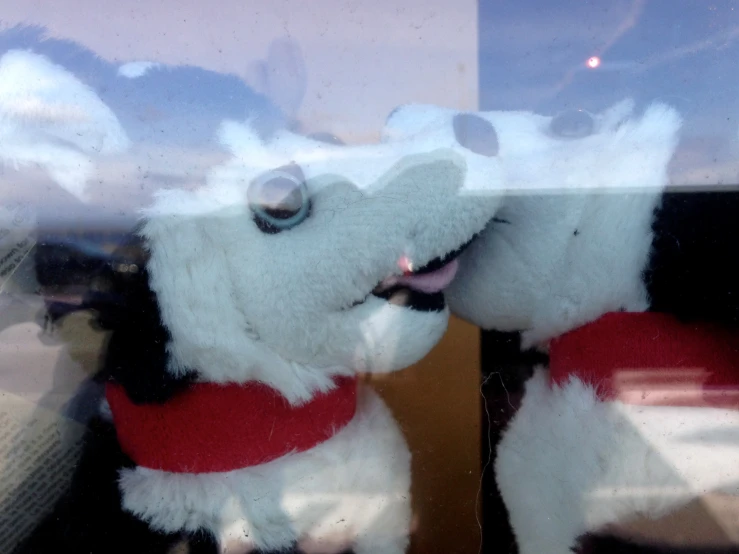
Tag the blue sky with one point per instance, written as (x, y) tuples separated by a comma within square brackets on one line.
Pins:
[(364, 58), (533, 54)]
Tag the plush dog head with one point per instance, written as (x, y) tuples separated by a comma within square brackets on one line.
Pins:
[(300, 260), (575, 236)]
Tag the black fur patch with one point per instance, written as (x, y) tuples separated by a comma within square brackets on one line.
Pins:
[(610, 544), (505, 370), (692, 270), (438, 263), (136, 355), (413, 299)]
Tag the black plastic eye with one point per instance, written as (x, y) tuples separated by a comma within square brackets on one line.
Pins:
[(476, 134), (279, 199), (572, 124)]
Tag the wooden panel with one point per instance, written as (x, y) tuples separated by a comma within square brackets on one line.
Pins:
[(437, 403)]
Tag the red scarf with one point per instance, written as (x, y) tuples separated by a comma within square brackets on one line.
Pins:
[(653, 359), (211, 427)]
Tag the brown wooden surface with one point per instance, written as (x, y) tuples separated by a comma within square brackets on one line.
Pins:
[(437, 403)]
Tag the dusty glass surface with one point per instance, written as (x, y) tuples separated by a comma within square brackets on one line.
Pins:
[(383, 220)]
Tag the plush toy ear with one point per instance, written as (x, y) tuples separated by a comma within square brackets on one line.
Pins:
[(282, 76), (53, 120)]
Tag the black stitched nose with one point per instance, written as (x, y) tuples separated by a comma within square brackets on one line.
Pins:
[(476, 134), (572, 124)]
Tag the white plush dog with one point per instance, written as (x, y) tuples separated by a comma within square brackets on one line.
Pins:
[(630, 288), (240, 322)]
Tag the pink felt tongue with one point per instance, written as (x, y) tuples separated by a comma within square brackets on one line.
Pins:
[(435, 281)]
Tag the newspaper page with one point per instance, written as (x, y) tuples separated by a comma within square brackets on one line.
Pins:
[(44, 378), (38, 452)]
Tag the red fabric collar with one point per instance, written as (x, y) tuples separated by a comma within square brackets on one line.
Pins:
[(211, 427), (653, 359)]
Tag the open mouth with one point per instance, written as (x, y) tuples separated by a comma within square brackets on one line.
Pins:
[(422, 289)]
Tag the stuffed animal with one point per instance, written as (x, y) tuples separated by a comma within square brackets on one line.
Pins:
[(629, 438), (241, 318)]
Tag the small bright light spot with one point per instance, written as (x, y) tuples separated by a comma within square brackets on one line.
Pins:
[(593, 62), (405, 264)]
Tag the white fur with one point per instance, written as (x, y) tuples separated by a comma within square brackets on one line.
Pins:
[(242, 305), (134, 70), (354, 486), (276, 308), (361, 165), (569, 463), (48, 117), (546, 279), (535, 274)]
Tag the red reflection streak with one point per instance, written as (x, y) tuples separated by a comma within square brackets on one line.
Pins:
[(671, 387)]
